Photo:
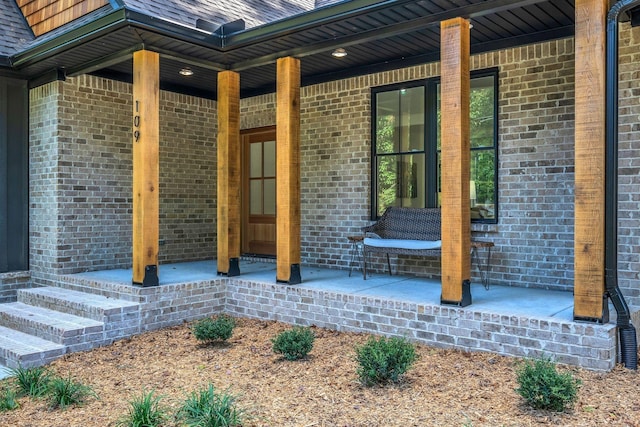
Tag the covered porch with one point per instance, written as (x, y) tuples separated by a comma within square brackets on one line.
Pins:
[(555, 167), (513, 321)]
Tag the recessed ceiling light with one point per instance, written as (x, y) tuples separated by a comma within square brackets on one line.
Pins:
[(339, 53), (186, 72)]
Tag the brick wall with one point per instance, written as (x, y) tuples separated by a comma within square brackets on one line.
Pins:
[(335, 160), (43, 178), (94, 181), (188, 171), (11, 282), (536, 157), (629, 164), (81, 177)]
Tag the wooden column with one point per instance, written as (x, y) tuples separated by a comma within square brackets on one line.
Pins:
[(288, 167), (456, 214), (146, 161), (228, 173), (590, 69)]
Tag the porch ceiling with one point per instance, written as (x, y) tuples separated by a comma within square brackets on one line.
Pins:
[(377, 36)]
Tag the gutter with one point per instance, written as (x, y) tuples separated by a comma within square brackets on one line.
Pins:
[(300, 22), (118, 19), (71, 39), (350, 9), (121, 17), (626, 331)]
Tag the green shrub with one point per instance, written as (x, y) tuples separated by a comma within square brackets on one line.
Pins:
[(218, 329), (32, 382), (543, 387), (8, 400), (384, 360), (294, 344), (206, 408), (64, 392), (144, 411)]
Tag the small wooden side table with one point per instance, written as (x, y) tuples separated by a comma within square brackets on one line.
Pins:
[(357, 254)]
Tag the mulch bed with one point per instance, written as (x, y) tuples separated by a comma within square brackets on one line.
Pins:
[(444, 388)]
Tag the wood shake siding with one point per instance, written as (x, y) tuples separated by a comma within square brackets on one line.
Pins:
[(46, 15)]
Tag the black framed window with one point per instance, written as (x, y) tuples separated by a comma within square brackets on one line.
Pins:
[(406, 145)]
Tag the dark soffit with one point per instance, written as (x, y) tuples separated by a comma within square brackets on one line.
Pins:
[(387, 35)]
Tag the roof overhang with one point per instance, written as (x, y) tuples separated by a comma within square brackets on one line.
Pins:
[(378, 35)]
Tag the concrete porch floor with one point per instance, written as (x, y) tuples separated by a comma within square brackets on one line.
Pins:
[(503, 300)]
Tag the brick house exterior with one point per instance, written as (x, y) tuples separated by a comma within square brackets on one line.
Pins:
[(81, 168)]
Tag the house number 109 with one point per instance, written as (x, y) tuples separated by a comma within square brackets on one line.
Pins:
[(136, 123)]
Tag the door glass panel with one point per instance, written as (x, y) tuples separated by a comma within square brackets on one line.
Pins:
[(269, 158), (255, 161), (255, 197), (259, 172), (269, 197)]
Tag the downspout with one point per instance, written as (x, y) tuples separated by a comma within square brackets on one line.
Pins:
[(626, 331)]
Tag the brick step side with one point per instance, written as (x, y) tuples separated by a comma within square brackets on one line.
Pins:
[(121, 318), (20, 349), (106, 288), (77, 333), (83, 304)]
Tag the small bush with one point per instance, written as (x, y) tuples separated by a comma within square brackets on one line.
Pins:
[(219, 329), (32, 382), (206, 408), (543, 387), (65, 392), (144, 411), (8, 400), (294, 344), (384, 360)]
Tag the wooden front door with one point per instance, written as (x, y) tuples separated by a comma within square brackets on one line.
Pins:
[(259, 191)]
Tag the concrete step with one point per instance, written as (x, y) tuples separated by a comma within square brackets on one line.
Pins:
[(83, 304), (75, 332), (20, 349)]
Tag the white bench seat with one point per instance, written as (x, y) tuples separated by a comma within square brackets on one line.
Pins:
[(403, 243)]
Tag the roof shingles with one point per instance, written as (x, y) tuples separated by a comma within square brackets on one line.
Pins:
[(253, 12), (15, 34), (14, 30)]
